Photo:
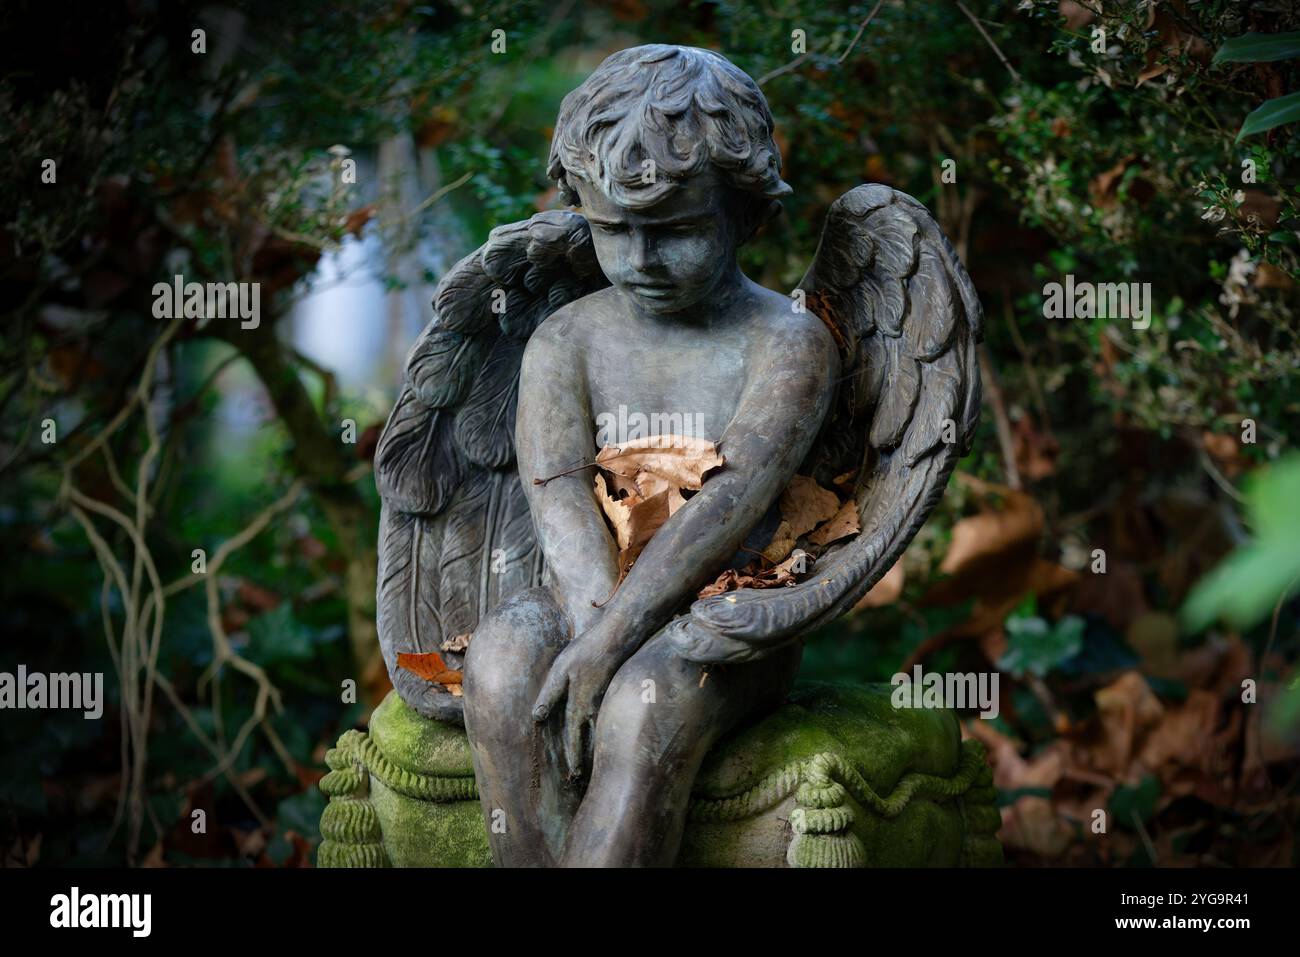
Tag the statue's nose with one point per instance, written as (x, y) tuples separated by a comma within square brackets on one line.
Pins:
[(643, 253)]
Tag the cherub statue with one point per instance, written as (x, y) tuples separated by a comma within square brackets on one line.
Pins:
[(586, 706)]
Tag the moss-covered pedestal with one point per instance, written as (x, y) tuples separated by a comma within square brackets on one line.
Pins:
[(837, 777)]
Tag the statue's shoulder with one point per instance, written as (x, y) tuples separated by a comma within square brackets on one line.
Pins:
[(569, 329), (792, 328)]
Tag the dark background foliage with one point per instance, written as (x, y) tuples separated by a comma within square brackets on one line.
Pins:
[(1086, 138)]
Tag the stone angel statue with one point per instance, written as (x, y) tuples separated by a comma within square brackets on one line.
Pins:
[(590, 699)]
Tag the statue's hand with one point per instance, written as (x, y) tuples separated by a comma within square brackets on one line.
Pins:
[(579, 677)]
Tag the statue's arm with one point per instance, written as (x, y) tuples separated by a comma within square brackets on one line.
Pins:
[(553, 433), (779, 414)]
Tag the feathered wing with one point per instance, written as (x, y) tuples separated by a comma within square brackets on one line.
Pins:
[(908, 322), (455, 534)]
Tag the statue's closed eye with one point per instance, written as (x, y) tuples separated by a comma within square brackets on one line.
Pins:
[(690, 227)]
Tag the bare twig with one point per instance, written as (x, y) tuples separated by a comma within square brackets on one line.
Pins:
[(989, 40), (135, 649), (862, 26), (793, 64), (993, 389)]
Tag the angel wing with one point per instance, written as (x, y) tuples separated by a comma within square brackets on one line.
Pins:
[(455, 535), (908, 322)]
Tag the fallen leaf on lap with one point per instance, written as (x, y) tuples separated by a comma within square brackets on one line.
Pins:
[(652, 485), (782, 543), (456, 643), (679, 461), (751, 577), (429, 666), (843, 524), (805, 505), (635, 520)]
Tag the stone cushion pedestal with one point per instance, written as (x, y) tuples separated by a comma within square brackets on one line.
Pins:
[(836, 777)]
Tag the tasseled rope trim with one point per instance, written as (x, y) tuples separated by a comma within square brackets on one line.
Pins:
[(822, 821), (349, 826)]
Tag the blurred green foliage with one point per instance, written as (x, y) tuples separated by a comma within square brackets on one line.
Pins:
[(1105, 147)]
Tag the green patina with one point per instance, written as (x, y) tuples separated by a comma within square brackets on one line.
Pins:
[(837, 777)]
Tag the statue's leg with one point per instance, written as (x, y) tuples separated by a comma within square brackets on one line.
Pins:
[(658, 720), (525, 803)]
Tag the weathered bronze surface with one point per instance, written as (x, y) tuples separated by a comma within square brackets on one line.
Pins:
[(590, 707)]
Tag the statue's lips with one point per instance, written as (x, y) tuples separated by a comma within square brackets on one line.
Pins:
[(651, 290)]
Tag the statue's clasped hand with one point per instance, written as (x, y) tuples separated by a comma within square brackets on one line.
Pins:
[(579, 678)]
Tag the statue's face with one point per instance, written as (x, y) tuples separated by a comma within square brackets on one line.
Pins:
[(669, 256)]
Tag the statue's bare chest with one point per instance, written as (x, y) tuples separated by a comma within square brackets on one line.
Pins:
[(673, 384)]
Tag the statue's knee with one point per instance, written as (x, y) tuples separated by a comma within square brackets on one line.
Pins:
[(510, 644), (644, 714), (487, 665)]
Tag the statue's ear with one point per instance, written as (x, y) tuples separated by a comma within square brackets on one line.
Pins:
[(568, 195), (753, 214)]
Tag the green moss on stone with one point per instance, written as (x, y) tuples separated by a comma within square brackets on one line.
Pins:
[(797, 770), (425, 834), (417, 743)]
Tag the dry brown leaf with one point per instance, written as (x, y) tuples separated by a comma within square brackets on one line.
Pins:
[(429, 666), (1226, 452), (456, 643), (842, 524), (1032, 823), (1035, 450), (635, 520), (751, 577), (1219, 666), (747, 577), (681, 460), (1076, 14), (793, 565), (1104, 187), (845, 482), (651, 485), (1152, 70), (998, 590), (1126, 708), (648, 476), (805, 505), (781, 545), (886, 591), (980, 537), (727, 581), (1154, 636), (1268, 276), (1184, 736), (623, 486)]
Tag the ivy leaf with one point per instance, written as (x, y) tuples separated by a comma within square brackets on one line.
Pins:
[(1036, 647), (1259, 48), (1276, 112), (1131, 804), (1246, 585)]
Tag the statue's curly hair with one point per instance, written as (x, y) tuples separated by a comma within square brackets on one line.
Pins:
[(681, 107)]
